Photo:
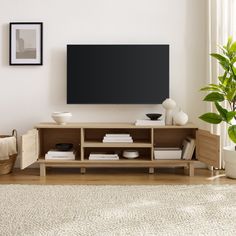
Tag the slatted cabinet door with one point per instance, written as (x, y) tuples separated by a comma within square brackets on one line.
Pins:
[(208, 148), (30, 148)]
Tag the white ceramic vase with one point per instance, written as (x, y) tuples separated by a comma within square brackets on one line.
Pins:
[(169, 105), (180, 118), (230, 161)]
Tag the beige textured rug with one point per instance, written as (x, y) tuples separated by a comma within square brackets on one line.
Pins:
[(117, 210)]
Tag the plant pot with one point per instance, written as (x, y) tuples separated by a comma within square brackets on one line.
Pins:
[(230, 161)]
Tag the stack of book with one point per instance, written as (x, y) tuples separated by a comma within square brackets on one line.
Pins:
[(103, 157), (117, 138), (60, 155), (149, 122), (189, 145), (169, 153)]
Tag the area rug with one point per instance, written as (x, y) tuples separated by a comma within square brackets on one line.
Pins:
[(117, 210)]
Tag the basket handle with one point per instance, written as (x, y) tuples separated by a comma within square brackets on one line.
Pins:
[(14, 133)]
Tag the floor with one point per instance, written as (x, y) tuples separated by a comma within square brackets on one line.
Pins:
[(115, 177)]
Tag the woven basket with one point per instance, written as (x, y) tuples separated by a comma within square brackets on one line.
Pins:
[(6, 166)]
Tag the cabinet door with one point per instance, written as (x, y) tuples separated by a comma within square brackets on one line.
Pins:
[(30, 148), (208, 148)]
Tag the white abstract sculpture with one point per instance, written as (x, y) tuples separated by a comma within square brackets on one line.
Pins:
[(180, 118), (169, 105)]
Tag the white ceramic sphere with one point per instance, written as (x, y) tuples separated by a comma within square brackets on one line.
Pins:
[(180, 118), (169, 104), (61, 118)]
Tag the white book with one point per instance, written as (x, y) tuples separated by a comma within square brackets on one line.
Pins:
[(104, 157), (150, 122), (60, 153), (188, 148), (117, 135), (167, 148), (103, 154), (48, 157), (117, 141), (192, 148)]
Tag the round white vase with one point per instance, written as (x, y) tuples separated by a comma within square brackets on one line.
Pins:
[(230, 161), (169, 105), (180, 118)]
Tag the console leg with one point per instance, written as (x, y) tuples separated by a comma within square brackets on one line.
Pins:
[(82, 170), (151, 170), (191, 169), (42, 170)]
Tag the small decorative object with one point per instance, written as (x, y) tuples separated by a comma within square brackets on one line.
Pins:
[(61, 118), (180, 118), (130, 154), (64, 146), (169, 105), (26, 43), (153, 116)]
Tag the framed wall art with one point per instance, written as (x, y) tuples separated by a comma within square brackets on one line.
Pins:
[(26, 43)]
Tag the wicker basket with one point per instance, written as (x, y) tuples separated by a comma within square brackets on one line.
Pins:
[(6, 166)]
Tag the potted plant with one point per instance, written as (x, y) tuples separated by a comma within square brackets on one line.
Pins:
[(225, 90)]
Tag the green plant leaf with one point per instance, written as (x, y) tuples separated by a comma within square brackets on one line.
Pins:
[(224, 49), (223, 112), (222, 78), (225, 65), (232, 133), (214, 85), (230, 115), (230, 39), (234, 69), (214, 97), (231, 94), (219, 57), (227, 80), (233, 47), (210, 117), (233, 60), (210, 89)]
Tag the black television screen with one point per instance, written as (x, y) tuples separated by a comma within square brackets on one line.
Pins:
[(117, 74)]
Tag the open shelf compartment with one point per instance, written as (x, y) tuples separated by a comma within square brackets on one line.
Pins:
[(96, 135), (144, 153), (50, 137)]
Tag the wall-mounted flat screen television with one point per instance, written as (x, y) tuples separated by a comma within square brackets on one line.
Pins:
[(117, 74)]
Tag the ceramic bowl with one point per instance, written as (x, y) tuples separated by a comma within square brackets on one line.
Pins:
[(61, 118), (153, 116), (64, 146), (130, 154)]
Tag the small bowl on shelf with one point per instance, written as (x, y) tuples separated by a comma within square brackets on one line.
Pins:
[(64, 147), (130, 154), (153, 116), (61, 118)]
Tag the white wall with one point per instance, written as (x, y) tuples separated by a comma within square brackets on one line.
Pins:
[(28, 94)]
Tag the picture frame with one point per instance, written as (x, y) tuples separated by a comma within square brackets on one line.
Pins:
[(26, 43)]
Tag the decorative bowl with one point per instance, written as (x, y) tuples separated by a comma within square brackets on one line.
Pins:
[(61, 118), (130, 154), (153, 116), (64, 146)]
